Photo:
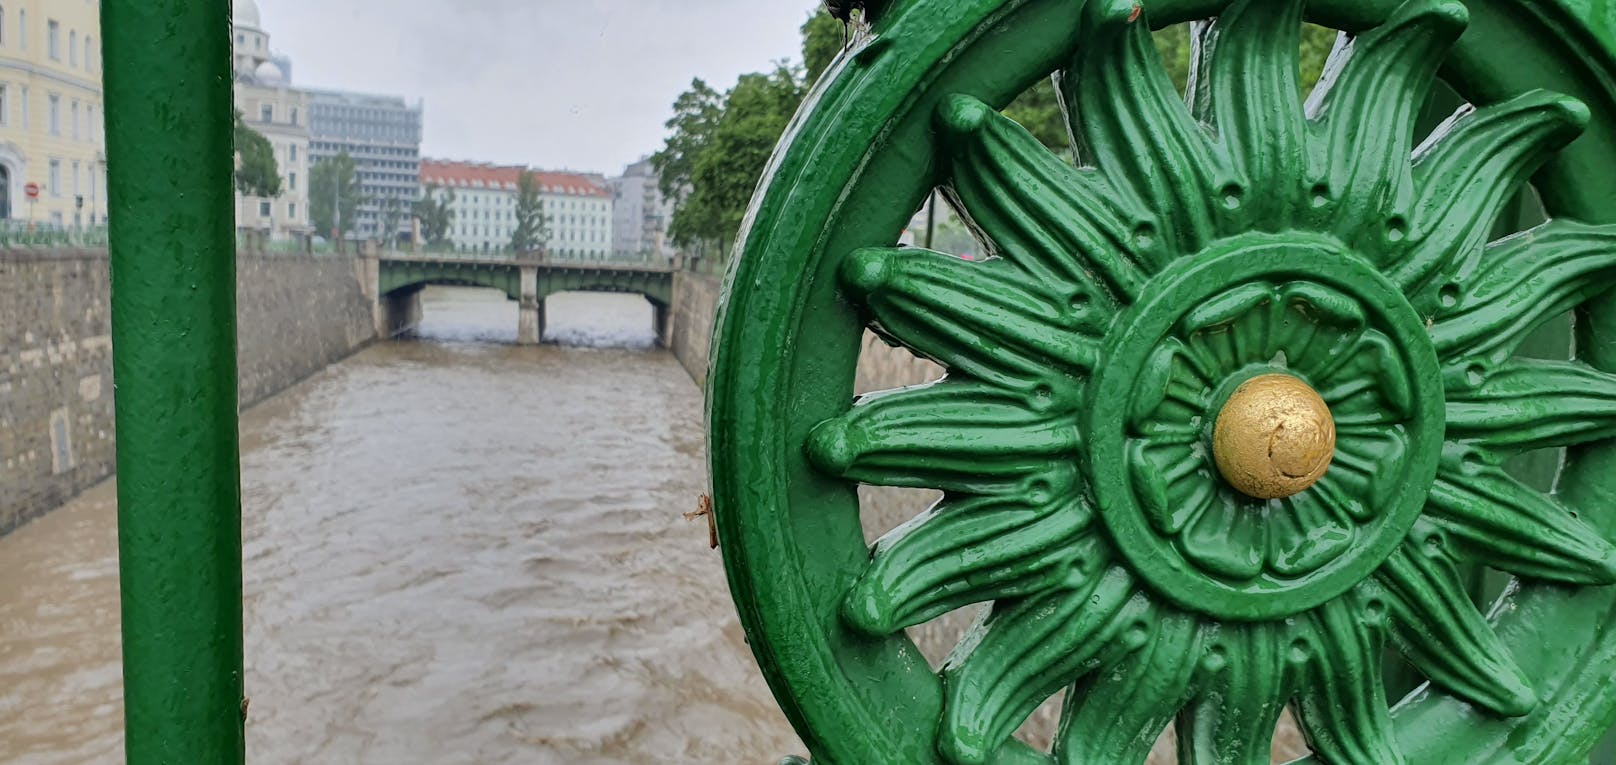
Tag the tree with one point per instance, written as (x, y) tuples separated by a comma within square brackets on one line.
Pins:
[(392, 211), (756, 113), (695, 117), (823, 38), (334, 189), (257, 175), (1039, 111), (532, 229), (435, 211)]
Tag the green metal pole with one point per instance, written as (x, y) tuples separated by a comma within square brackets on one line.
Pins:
[(169, 158)]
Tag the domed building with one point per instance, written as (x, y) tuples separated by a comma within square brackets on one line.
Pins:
[(51, 129), (271, 106)]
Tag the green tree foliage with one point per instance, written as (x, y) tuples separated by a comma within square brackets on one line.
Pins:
[(727, 169), (1039, 110), (333, 187), (695, 119), (257, 175), (435, 211), (532, 229), (822, 39)]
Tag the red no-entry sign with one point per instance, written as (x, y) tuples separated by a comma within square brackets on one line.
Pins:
[(32, 190)]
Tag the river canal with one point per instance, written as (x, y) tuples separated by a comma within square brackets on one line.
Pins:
[(457, 551)]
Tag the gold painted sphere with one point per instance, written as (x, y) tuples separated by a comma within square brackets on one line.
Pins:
[(1274, 437)]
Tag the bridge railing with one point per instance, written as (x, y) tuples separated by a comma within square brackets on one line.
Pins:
[(610, 259)]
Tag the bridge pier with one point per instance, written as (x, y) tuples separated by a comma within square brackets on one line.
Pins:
[(662, 318), (530, 319)]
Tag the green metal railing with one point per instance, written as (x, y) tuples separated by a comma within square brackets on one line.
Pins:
[(24, 234), (169, 162)]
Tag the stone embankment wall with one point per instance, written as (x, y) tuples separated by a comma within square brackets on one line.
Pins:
[(296, 314), (882, 367)]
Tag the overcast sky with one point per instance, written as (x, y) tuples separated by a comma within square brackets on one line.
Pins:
[(578, 84)]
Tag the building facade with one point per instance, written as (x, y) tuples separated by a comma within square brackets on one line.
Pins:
[(640, 214), (577, 208), (382, 134), (484, 202), (271, 106), (51, 128)]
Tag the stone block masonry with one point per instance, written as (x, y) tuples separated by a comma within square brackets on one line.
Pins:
[(295, 315)]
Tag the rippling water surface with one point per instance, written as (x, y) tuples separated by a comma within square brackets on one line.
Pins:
[(457, 551)]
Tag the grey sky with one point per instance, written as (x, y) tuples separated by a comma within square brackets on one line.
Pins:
[(580, 84)]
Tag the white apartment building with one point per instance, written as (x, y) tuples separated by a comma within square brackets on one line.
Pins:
[(577, 208)]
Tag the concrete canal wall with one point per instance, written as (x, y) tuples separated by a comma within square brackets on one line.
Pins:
[(297, 314)]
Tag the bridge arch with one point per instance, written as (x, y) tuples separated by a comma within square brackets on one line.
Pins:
[(400, 278)]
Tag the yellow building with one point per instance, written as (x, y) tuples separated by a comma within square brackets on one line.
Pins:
[(51, 129)]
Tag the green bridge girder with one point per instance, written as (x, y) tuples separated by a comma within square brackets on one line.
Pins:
[(406, 272)]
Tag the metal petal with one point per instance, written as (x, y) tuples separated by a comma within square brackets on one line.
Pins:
[(1367, 101), (961, 437), (1251, 96), (1117, 713), (988, 320), (1522, 282), (1514, 527), (1135, 129), (1066, 227), (1024, 651), (971, 550), (1530, 404), (1341, 703), (1466, 172), (1439, 629), (1242, 691)]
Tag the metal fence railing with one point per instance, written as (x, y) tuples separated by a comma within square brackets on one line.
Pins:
[(43, 235)]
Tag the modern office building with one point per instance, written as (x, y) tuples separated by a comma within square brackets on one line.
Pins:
[(51, 130), (382, 134), (640, 214)]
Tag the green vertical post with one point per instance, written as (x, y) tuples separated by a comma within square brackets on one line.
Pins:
[(169, 161)]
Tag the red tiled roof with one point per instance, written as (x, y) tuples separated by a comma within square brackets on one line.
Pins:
[(504, 177), (469, 174)]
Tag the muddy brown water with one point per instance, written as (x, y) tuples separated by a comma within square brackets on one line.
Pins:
[(456, 551)]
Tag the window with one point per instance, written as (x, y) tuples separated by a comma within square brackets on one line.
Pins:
[(53, 39), (294, 124), (55, 114), (25, 107), (293, 147), (241, 39), (75, 178), (266, 113), (291, 210), (73, 48), (291, 183), (22, 29), (56, 177), (2, 25), (5, 104), (73, 112), (89, 121), (263, 209), (89, 53)]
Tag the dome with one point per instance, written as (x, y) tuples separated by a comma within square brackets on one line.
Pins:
[(245, 14), (268, 73)]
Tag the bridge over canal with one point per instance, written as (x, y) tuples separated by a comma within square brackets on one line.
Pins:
[(400, 277)]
